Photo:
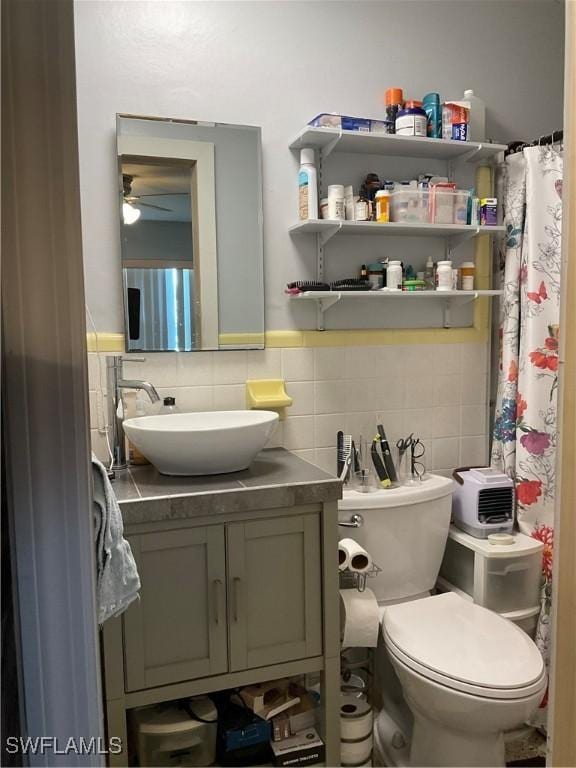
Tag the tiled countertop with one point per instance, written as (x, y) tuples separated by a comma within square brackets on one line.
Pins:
[(277, 478)]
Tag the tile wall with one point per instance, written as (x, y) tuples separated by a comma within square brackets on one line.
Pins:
[(439, 392)]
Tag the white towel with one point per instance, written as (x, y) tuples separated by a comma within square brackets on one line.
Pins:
[(117, 581)]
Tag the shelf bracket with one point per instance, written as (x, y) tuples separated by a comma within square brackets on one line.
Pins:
[(328, 233), (447, 322), (323, 305), (321, 240), (455, 301), (466, 157), (327, 149), (455, 240)]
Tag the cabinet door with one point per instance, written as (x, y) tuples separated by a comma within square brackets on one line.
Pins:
[(274, 587), (177, 630)]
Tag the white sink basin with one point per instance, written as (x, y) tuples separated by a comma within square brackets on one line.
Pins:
[(209, 443)]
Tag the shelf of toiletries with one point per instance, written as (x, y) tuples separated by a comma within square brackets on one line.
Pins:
[(386, 294), (447, 299), (330, 227), (394, 145)]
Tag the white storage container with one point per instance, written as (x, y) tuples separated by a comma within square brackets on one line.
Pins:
[(409, 205), (504, 578), (167, 735)]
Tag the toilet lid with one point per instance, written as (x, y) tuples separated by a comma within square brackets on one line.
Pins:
[(455, 641)]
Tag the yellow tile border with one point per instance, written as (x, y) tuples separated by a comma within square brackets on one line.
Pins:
[(237, 339), (105, 342), (370, 337)]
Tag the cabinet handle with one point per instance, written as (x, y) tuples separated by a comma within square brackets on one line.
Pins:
[(217, 587), (236, 581)]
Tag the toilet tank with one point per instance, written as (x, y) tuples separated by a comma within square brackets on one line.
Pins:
[(405, 531)]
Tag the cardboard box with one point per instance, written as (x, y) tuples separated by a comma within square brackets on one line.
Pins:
[(303, 715), (489, 211), (267, 700), (304, 748), (455, 119)]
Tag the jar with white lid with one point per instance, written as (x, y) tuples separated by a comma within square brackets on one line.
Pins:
[(336, 209), (468, 270), (444, 276), (394, 276)]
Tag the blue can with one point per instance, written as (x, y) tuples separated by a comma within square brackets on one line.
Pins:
[(431, 105)]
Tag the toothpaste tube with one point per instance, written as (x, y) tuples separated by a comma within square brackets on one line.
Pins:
[(455, 119)]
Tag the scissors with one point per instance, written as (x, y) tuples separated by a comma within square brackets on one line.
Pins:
[(404, 443)]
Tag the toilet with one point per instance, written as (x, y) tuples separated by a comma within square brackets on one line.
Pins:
[(450, 676)]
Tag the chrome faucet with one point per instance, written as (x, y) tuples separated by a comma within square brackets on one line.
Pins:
[(116, 382)]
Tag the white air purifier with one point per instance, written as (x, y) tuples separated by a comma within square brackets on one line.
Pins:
[(483, 501)]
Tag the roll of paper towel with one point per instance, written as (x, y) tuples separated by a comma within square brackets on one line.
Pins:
[(359, 619), (351, 555)]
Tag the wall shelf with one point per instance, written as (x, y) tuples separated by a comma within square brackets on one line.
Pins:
[(453, 153), (336, 140), (327, 228), (326, 299)]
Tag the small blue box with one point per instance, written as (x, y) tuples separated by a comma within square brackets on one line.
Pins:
[(254, 733), (460, 131)]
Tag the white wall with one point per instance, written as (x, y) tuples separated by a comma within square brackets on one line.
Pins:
[(277, 64), (167, 241)]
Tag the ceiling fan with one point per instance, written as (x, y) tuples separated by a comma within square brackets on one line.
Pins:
[(131, 199)]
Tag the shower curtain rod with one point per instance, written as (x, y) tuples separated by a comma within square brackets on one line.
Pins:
[(552, 138)]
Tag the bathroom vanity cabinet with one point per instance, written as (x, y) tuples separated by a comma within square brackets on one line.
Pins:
[(239, 585)]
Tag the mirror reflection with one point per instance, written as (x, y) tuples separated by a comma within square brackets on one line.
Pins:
[(191, 246), (158, 256)]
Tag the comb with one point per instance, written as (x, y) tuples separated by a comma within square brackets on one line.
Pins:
[(345, 457), (301, 286), (351, 284)]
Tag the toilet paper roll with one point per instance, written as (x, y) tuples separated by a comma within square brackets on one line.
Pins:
[(356, 718), (359, 620), (343, 558), (355, 752), (356, 557)]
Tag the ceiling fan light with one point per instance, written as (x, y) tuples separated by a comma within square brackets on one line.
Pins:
[(130, 214)]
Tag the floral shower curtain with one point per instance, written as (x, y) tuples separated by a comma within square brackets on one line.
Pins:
[(524, 437)]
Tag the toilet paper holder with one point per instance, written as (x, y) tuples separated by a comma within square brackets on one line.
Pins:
[(357, 579)]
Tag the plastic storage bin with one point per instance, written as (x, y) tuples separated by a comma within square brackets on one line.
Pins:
[(504, 578), (166, 735), (448, 206), (409, 205)]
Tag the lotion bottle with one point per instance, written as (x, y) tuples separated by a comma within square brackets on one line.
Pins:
[(307, 185)]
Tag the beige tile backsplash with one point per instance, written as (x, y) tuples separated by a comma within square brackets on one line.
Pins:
[(436, 391)]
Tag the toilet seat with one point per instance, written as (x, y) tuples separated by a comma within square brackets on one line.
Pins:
[(464, 646)]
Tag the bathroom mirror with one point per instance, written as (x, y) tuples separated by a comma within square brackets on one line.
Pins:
[(191, 234)]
